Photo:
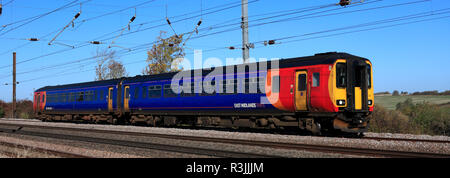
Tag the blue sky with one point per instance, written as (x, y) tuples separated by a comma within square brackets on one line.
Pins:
[(410, 57)]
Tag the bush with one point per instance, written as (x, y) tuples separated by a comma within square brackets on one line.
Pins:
[(419, 118), (2, 113), (24, 109), (390, 121), (430, 118)]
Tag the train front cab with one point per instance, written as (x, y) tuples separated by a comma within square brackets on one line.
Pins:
[(351, 92)]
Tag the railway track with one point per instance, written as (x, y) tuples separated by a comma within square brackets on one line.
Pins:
[(14, 154), (293, 146), (405, 139), (133, 144)]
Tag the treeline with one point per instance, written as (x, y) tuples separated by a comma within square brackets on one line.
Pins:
[(24, 109), (397, 93), (434, 92), (419, 118)]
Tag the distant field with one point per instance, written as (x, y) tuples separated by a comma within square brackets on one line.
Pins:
[(389, 102)]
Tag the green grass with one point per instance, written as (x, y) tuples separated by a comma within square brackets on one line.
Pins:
[(389, 102)]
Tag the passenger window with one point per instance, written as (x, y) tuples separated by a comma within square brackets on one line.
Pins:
[(136, 93), (262, 85), (186, 87), (168, 92), (144, 92), (301, 82), (276, 84), (80, 96), (95, 95), (102, 95), (155, 91), (316, 80), (209, 88)]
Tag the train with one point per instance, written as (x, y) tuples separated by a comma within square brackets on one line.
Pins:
[(325, 93)]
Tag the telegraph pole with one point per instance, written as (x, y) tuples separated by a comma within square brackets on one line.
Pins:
[(14, 87), (244, 26)]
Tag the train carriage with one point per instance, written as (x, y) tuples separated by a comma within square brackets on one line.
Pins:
[(324, 92)]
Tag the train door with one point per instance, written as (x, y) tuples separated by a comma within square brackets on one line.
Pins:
[(358, 86), (110, 99), (301, 91), (126, 98), (361, 87)]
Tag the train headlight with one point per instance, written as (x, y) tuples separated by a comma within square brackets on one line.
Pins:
[(370, 102), (340, 102)]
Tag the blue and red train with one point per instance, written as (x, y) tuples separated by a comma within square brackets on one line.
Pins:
[(326, 92)]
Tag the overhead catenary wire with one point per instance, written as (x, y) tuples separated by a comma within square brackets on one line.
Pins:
[(71, 22), (144, 44), (100, 41), (34, 18), (152, 42), (384, 21)]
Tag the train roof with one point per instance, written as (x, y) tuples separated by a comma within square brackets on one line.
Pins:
[(80, 85), (320, 58)]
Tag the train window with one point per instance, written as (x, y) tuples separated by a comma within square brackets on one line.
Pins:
[(316, 80), (262, 85), (144, 92), (72, 97), (154, 91), (301, 82), (341, 75), (102, 95), (89, 95), (136, 93), (368, 76), (95, 95), (80, 96), (43, 98), (168, 91), (229, 86), (186, 87), (276, 84), (63, 97), (358, 77), (209, 88)]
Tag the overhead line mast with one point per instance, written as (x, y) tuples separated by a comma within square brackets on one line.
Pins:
[(244, 26)]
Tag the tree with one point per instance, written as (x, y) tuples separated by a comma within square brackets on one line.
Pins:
[(107, 66), (116, 70), (395, 93), (165, 55)]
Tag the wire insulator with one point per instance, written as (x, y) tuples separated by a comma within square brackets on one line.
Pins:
[(168, 21), (199, 22), (344, 2), (231, 47), (271, 42), (33, 39), (76, 16), (1, 9), (95, 42), (132, 19)]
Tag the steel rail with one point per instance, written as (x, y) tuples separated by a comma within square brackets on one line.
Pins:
[(126, 143), (39, 150), (281, 145)]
